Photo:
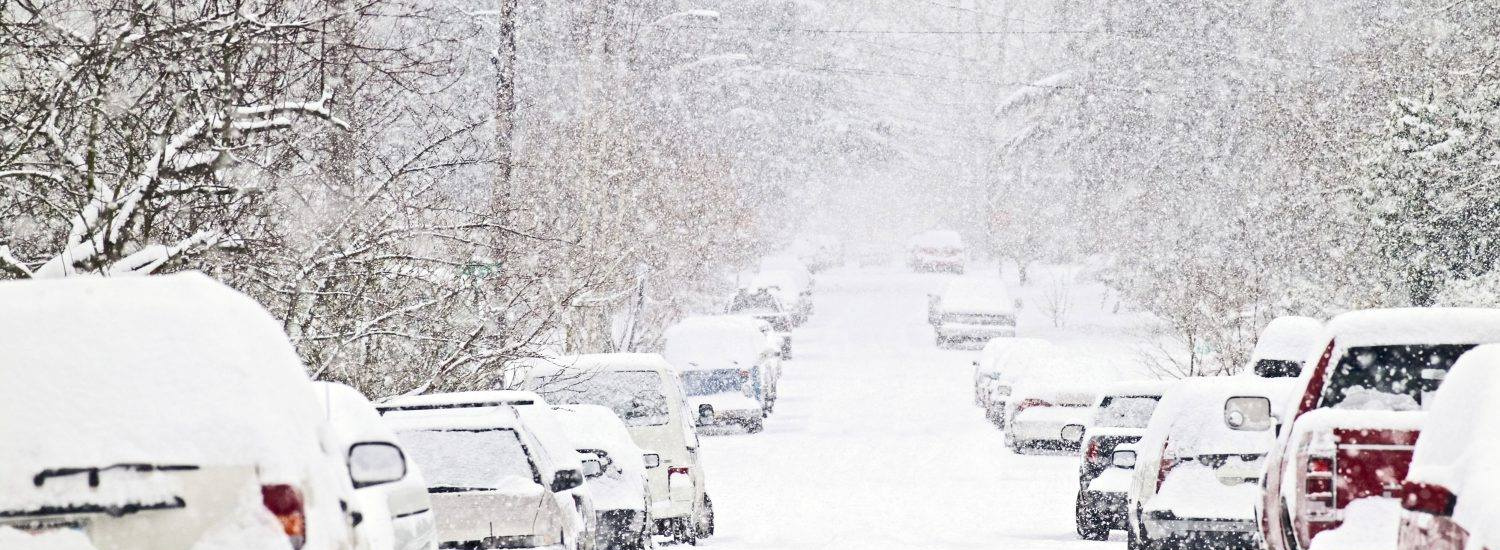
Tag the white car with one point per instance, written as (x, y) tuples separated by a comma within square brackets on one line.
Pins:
[(793, 287), (645, 392), (971, 312), (1283, 345), (938, 250), (800, 275), (1049, 411), (1197, 468), (621, 498), (494, 484), (162, 413), (1120, 418), (1007, 365), (727, 369), (388, 487), (765, 305)]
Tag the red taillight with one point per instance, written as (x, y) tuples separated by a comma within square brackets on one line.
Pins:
[(677, 470), (1029, 403), (1167, 464), (285, 502), (1092, 454), (1319, 483)]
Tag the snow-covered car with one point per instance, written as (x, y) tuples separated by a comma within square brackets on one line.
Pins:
[(1120, 418), (1283, 345), (621, 499), (765, 305), (1197, 466), (389, 489), (725, 366), (1009, 364), (493, 482), (938, 250), (818, 251), (779, 341), (1049, 410), (1452, 491), (972, 312), (644, 391), (986, 368), (792, 287), (1359, 414), (162, 413), (799, 275)]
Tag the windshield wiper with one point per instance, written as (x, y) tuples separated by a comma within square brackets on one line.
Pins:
[(114, 510), (452, 489), (93, 471)]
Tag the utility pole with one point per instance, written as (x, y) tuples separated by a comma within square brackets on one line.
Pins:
[(505, 106)]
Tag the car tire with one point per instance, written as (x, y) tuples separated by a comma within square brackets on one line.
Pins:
[(1288, 532), (1086, 521), (683, 531), (755, 426), (706, 518)]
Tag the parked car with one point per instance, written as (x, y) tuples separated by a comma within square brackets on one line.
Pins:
[(818, 251), (938, 250), (1196, 467), (1450, 493), (645, 393), (800, 276), (765, 305), (162, 413), (1359, 414), (1050, 409), (1120, 418), (727, 370), (1283, 345), (972, 312), (389, 488), (1010, 364), (779, 341), (621, 499), (494, 483), (986, 368), (793, 287)]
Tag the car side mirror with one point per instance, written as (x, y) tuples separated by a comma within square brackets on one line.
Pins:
[(592, 468), (1072, 433), (1249, 414), (705, 415), (652, 460), (1123, 459), (375, 463), (566, 480), (1427, 498)]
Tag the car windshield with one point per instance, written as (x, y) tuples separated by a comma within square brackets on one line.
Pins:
[(709, 382), (635, 396), (1389, 378), (759, 302), (471, 459), (1126, 411)]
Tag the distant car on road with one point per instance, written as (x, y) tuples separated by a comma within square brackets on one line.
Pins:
[(938, 250), (971, 312), (728, 369), (1120, 418), (1049, 410), (1197, 466), (1007, 364), (1283, 345), (766, 305)]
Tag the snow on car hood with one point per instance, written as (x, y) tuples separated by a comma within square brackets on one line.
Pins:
[(175, 369)]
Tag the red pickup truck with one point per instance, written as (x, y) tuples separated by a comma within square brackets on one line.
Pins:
[(1358, 418)]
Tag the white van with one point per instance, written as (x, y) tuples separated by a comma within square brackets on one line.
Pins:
[(643, 390), (161, 413), (388, 487)]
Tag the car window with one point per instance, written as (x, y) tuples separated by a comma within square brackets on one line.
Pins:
[(1389, 378), (709, 382), (634, 396), (471, 459), (1125, 411), (759, 302)]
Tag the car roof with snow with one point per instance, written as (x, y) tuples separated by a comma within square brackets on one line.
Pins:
[(595, 427), (171, 369), (1022, 355), (936, 238), (1191, 415), (1457, 447), (785, 279), (1289, 338), (592, 362), (977, 295), (350, 414), (1398, 326), (714, 342), (468, 418), (488, 398)]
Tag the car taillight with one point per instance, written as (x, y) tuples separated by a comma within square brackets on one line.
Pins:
[(677, 470), (1319, 484), (1168, 462), (1092, 454), (285, 502), (744, 375), (1029, 403)]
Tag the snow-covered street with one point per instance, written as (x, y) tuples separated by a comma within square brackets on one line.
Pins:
[(876, 442)]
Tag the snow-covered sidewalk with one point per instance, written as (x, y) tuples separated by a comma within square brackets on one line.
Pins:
[(876, 443)]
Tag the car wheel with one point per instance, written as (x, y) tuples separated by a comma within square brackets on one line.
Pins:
[(1086, 520), (706, 519), (754, 426), (682, 531), (1289, 532)]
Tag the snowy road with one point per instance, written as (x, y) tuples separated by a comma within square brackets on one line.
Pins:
[(876, 442)]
